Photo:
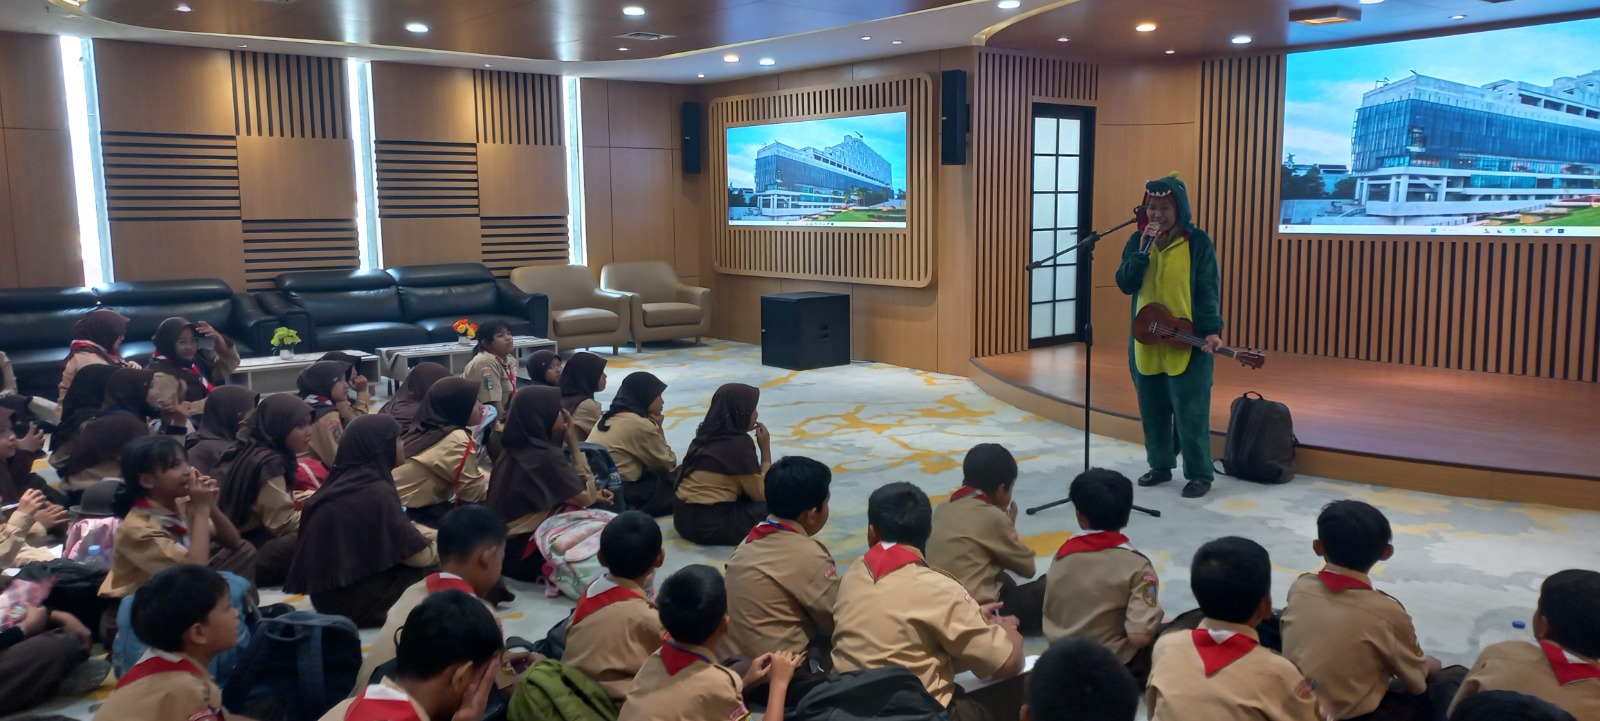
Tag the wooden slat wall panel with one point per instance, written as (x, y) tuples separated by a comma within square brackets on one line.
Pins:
[(878, 257), (289, 96), (279, 246), (510, 243), (1524, 306), (427, 180), (517, 108), (1002, 141), (158, 176)]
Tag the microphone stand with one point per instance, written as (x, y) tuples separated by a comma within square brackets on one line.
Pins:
[(1086, 246)]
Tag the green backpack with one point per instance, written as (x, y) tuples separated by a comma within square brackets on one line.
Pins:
[(554, 691)]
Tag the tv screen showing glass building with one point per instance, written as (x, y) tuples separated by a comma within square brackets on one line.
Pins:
[(1492, 133), (843, 172)]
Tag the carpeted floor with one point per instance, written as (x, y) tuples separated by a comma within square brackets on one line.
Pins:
[(1464, 568)]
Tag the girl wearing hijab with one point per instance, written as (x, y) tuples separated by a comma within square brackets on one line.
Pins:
[(631, 430), (721, 495), (362, 403), (226, 410), (358, 553), (535, 476), (257, 480), (134, 399), (494, 368), (583, 376), (403, 406), (24, 535), (325, 386), (82, 403), (441, 459), (97, 340), (178, 353), (544, 368)]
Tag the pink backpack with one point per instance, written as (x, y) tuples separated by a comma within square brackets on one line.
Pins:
[(570, 543), (86, 533)]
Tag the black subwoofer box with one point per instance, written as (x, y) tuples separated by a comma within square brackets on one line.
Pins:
[(801, 331)]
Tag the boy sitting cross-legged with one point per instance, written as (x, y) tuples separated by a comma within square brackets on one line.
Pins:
[(616, 627), (975, 537), (186, 615)]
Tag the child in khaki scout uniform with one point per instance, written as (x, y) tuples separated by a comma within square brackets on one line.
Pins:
[(1078, 679), (1564, 666), (449, 651), (494, 368), (616, 626), (680, 681), (186, 615), (1220, 672), (975, 537), (1355, 642), (1099, 586), (893, 610)]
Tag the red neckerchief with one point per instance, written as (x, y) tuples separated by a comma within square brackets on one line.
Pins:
[(1567, 670), (316, 401), (970, 492), (1219, 649), (1088, 542), (193, 368), (167, 522), (381, 703), (511, 375), (766, 528), (601, 593), (439, 582), (1337, 582), (157, 665), (115, 358), (886, 558), (676, 658)]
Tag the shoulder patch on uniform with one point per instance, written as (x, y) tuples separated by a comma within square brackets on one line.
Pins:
[(831, 572), (1150, 590), (739, 713), (1303, 690)]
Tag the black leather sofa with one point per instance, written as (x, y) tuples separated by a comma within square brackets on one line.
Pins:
[(436, 296)]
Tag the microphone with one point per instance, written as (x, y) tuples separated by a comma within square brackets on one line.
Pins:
[(1152, 231)]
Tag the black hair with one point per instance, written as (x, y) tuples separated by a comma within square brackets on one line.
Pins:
[(447, 628), (692, 603), (466, 529), (1104, 497), (988, 466), (1081, 680), (146, 454), (1507, 706), (172, 601), (1570, 603), (796, 484), (1353, 534), (1229, 578), (487, 330), (630, 544), (901, 513)]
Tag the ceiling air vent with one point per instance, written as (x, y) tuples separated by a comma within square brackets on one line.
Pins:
[(644, 36)]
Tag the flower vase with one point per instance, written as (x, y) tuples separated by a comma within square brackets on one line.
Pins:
[(286, 353), (463, 340)]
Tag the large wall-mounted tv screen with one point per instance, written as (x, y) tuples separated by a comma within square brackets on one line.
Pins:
[(1489, 133), (836, 172)]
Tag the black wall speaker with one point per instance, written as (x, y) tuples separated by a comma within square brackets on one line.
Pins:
[(690, 116), (805, 330), (953, 123)]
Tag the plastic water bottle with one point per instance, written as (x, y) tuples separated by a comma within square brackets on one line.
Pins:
[(1517, 631), (97, 558), (1521, 632)]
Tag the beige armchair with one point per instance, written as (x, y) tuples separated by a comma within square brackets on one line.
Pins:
[(581, 315), (663, 308)]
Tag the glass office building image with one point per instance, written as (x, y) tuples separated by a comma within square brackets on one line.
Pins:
[(1428, 151), (792, 183)]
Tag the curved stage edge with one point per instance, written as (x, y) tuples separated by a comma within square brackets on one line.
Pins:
[(1457, 433)]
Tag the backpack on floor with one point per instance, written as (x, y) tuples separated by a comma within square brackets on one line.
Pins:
[(891, 692), (1260, 445), (76, 589), (554, 691), (570, 543), (554, 643), (303, 662), (87, 533)]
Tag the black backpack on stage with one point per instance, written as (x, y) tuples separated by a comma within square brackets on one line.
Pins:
[(1260, 446), (891, 692)]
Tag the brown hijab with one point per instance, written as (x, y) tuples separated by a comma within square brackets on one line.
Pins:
[(533, 474), (539, 363), (225, 409), (447, 408), (638, 391), (196, 371), (316, 384), (82, 402), (723, 444), (101, 327), (403, 406), (580, 379), (260, 454), (354, 527), (124, 415)]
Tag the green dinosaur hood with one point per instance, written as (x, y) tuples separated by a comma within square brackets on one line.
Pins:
[(1174, 187)]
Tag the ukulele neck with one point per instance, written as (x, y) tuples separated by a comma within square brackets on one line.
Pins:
[(1189, 338)]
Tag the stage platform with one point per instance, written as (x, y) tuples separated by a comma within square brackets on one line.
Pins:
[(1460, 433)]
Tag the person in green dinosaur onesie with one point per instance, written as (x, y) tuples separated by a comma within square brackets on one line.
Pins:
[(1172, 262)]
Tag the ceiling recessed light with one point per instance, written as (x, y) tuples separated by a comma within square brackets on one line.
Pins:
[(1145, 27), (866, 37), (701, 75), (487, 65), (1370, 2), (897, 42), (1010, 4), (767, 61), (183, 8), (1458, 17), (417, 27), (1241, 40), (1062, 40), (730, 58), (622, 50), (241, 46), (1172, 52), (633, 11)]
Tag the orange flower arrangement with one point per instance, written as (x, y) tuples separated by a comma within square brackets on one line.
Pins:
[(466, 327)]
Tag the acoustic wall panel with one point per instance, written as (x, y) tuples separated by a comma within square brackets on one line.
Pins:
[(171, 176), (513, 242), (517, 108), (289, 96), (279, 246), (419, 179)]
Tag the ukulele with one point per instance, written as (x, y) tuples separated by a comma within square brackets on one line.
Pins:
[(1155, 325)]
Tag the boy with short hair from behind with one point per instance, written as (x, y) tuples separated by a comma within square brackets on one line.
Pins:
[(186, 615), (1563, 667), (680, 681), (1349, 638), (1078, 679), (616, 627), (1099, 585), (975, 537), (1220, 671), (445, 665)]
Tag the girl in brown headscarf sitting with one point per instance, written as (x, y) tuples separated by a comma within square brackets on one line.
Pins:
[(358, 553), (441, 458), (631, 430), (225, 413), (583, 376), (534, 477), (325, 386), (403, 406), (721, 495), (134, 399), (97, 340), (544, 368), (178, 353), (361, 404), (258, 482)]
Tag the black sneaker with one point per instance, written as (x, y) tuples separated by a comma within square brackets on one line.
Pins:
[(1155, 477), (1196, 489)]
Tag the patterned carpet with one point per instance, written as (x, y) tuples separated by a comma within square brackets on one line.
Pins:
[(1465, 568)]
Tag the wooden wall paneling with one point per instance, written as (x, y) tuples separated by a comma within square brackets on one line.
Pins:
[(9, 255), (900, 325), (598, 202), (516, 180), (423, 103), (511, 242), (170, 176), (44, 209), (274, 246), (517, 108), (296, 178), (31, 92), (412, 240), (741, 321), (595, 115), (418, 179), (641, 115), (177, 249), (642, 178), (148, 88), (289, 96), (688, 211)]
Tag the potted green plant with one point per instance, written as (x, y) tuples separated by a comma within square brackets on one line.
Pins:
[(285, 339)]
